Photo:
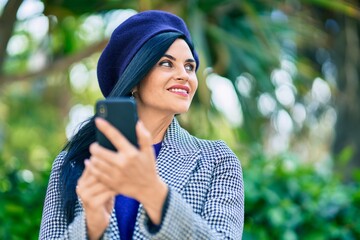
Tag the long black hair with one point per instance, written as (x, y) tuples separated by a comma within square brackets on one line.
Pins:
[(78, 147)]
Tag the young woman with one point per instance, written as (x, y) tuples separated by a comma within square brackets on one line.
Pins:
[(174, 185)]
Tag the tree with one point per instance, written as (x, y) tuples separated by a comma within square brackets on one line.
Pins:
[(274, 59), (347, 58)]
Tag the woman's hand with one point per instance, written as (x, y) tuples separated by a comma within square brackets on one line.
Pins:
[(129, 171), (97, 200)]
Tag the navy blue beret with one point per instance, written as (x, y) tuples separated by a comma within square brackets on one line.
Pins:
[(129, 37)]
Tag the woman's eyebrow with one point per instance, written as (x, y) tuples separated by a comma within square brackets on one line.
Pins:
[(174, 59), (169, 56)]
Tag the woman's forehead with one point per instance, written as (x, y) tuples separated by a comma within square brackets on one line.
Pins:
[(180, 49)]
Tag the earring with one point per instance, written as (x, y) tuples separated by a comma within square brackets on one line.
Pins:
[(133, 94)]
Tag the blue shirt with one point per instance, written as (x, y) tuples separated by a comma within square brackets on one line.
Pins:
[(126, 209)]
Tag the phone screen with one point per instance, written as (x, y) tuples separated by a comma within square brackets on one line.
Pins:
[(122, 114)]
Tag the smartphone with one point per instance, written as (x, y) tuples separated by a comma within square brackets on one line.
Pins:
[(122, 114)]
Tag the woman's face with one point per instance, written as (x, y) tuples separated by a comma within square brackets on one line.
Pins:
[(171, 84)]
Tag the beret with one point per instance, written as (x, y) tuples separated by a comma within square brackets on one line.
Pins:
[(129, 37)]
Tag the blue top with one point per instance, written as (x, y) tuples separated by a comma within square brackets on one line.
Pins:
[(126, 209)]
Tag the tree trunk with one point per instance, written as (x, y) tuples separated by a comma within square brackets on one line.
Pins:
[(7, 23), (347, 130)]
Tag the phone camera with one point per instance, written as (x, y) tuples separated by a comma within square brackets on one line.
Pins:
[(102, 111)]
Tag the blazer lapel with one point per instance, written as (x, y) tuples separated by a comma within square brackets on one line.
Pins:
[(178, 156), (113, 229)]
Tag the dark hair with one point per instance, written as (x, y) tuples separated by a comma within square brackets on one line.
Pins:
[(78, 147)]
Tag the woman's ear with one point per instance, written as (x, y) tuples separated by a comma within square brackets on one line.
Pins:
[(134, 91)]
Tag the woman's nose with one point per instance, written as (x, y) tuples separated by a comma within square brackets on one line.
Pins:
[(182, 74)]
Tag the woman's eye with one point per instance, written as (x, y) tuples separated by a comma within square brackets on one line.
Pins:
[(189, 67), (165, 64)]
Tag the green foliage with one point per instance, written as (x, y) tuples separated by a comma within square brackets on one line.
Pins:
[(21, 205), (286, 199), (30, 137)]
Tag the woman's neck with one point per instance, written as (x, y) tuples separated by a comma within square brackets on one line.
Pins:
[(156, 124)]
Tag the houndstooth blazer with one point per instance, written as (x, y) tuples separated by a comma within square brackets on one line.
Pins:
[(206, 200)]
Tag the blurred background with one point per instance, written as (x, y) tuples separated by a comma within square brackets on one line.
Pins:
[(278, 81)]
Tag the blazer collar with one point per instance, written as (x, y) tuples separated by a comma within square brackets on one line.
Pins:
[(178, 156), (179, 138)]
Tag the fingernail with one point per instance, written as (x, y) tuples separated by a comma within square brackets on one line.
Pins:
[(91, 147), (141, 124), (97, 120)]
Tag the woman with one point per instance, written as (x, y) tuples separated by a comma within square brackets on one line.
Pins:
[(174, 186)]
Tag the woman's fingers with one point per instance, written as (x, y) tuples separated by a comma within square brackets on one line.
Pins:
[(144, 139), (115, 137), (97, 150), (109, 205), (102, 199), (87, 184), (85, 173), (87, 192), (101, 171), (91, 191), (97, 200), (85, 179), (105, 160), (128, 171), (122, 144)]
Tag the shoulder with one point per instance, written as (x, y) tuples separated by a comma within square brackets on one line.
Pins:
[(217, 149), (185, 142), (57, 165), (217, 156), (56, 169), (59, 160)]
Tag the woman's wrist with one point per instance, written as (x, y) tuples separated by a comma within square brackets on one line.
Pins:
[(153, 201), (93, 233), (95, 227)]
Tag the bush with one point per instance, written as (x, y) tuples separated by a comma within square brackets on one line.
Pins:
[(21, 206), (288, 200)]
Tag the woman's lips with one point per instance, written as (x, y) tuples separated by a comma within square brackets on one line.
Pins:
[(180, 90)]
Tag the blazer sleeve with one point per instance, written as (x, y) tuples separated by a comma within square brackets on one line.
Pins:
[(223, 213), (53, 221)]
